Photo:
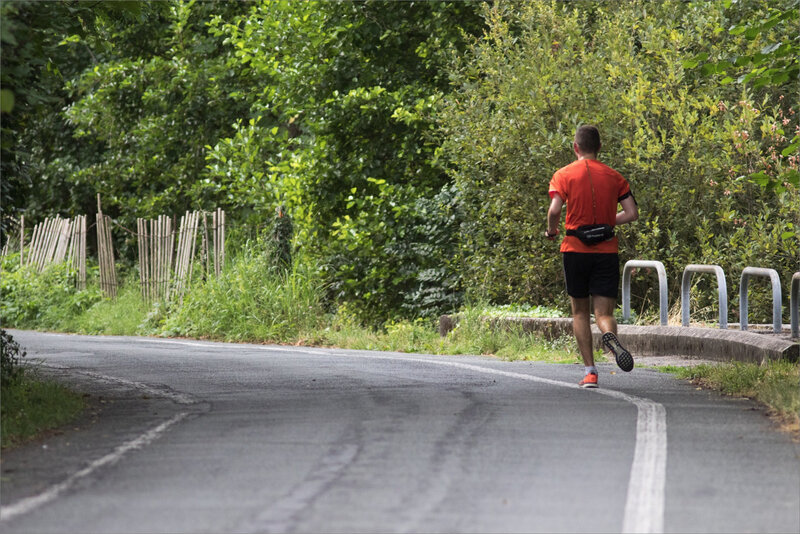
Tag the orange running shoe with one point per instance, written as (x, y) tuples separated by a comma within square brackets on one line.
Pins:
[(589, 381)]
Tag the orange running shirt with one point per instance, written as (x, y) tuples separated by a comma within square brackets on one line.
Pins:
[(573, 186)]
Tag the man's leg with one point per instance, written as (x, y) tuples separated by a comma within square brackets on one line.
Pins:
[(604, 317), (604, 313), (582, 329)]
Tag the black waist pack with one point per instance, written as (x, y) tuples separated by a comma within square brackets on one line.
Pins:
[(592, 234)]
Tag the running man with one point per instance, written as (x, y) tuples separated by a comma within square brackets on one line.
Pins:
[(591, 190)]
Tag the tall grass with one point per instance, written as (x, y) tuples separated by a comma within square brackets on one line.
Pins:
[(473, 334), (121, 316), (253, 300)]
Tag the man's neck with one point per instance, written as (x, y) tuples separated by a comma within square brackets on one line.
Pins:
[(587, 156)]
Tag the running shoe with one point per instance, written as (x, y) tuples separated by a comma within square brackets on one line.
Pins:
[(589, 381), (624, 358)]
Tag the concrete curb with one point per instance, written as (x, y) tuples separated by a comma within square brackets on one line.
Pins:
[(689, 342)]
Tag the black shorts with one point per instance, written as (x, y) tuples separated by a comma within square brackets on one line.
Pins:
[(591, 274)]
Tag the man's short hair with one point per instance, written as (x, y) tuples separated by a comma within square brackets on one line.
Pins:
[(587, 138)]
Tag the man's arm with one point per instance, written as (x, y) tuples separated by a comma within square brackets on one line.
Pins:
[(554, 216), (630, 211)]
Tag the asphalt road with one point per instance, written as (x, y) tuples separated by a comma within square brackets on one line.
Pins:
[(188, 436)]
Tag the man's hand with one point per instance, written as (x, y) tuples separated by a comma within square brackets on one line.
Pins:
[(551, 236)]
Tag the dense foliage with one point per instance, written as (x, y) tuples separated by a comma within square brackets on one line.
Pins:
[(409, 143), (691, 147)]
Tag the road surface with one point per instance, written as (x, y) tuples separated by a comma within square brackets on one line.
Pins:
[(193, 436)]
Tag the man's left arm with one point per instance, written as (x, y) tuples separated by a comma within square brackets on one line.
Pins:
[(630, 211)]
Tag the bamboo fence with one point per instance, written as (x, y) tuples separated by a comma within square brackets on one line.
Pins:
[(56, 240), (218, 234), (76, 254), (184, 262), (105, 253), (156, 243), (166, 270), (8, 248)]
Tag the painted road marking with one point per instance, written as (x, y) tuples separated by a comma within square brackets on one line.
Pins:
[(644, 506), (26, 505)]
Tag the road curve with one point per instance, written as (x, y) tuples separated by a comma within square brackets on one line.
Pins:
[(216, 437)]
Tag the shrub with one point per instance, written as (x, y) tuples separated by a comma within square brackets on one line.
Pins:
[(46, 300), (10, 358), (686, 144)]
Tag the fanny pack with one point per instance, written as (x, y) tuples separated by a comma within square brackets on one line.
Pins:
[(592, 234)]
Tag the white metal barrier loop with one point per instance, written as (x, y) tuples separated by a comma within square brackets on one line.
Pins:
[(794, 304), (626, 287), (772, 274), (722, 291)]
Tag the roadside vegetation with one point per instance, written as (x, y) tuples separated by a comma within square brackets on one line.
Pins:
[(409, 144), (30, 403), (774, 384)]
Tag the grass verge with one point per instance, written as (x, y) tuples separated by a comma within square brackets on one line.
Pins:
[(775, 384), (472, 335), (32, 405)]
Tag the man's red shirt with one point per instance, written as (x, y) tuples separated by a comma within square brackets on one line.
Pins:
[(572, 184)]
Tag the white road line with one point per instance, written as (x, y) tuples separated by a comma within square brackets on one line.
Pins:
[(178, 398), (26, 505), (644, 506)]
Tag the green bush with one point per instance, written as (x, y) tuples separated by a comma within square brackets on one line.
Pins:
[(46, 300), (687, 144), (10, 358)]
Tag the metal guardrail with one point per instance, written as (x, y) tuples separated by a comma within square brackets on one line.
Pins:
[(722, 291), (794, 304), (626, 287), (772, 274)]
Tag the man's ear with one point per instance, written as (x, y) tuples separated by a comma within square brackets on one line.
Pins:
[(575, 148)]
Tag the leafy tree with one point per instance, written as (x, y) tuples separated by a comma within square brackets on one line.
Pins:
[(37, 150), (343, 123)]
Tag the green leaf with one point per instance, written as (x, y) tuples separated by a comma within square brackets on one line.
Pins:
[(771, 48), (708, 68), (724, 65), (761, 178), (6, 101), (75, 38), (785, 236), (791, 149)]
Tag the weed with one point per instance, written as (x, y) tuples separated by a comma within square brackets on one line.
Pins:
[(32, 405), (775, 384)]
